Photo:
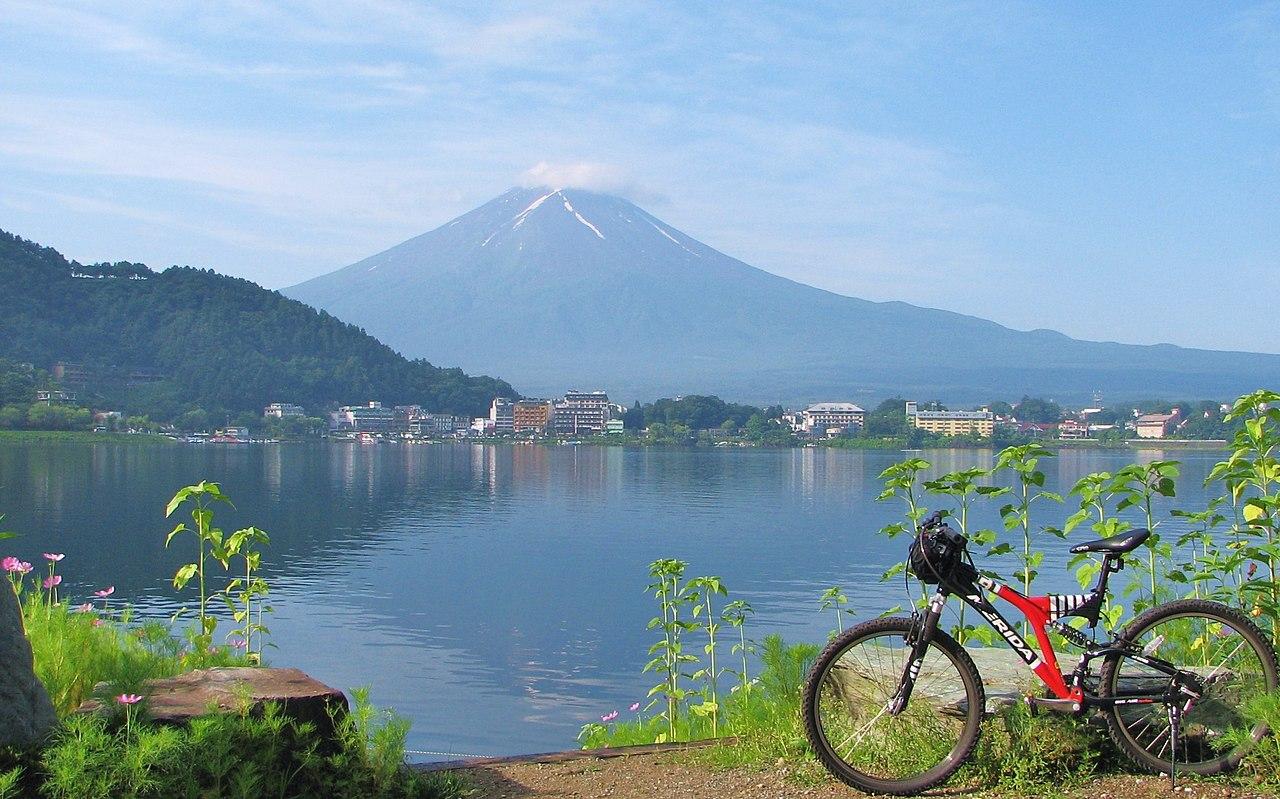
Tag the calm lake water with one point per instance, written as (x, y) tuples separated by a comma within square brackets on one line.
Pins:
[(495, 595)]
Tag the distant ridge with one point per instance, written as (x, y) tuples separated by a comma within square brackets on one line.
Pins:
[(218, 343), (559, 288)]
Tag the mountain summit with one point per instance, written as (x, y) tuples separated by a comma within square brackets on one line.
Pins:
[(560, 288)]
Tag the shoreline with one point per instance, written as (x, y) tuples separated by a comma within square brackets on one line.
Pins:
[(151, 439)]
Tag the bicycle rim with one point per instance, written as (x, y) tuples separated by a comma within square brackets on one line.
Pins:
[(874, 749), (1235, 664)]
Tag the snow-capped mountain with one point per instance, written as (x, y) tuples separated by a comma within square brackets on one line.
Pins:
[(553, 289)]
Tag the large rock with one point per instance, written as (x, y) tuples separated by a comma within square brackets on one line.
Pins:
[(26, 714), (177, 700)]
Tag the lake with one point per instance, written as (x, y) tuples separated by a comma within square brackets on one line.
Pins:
[(495, 594)]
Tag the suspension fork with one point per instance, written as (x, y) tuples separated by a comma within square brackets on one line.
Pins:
[(919, 638)]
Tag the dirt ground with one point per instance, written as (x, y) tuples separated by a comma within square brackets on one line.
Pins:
[(669, 776)]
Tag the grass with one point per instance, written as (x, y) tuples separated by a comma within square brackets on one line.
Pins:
[(80, 437), (76, 651), (81, 654), (237, 755), (763, 717), (1019, 753)]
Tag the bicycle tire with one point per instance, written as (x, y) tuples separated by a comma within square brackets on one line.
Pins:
[(973, 707), (1121, 726)]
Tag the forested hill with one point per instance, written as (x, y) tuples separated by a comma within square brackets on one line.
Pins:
[(210, 341)]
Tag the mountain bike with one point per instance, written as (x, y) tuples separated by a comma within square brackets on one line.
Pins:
[(895, 705)]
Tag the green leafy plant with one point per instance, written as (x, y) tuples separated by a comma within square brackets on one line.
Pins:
[(703, 590), (669, 657), (242, 592), (902, 481), (1024, 461), (1137, 486), (1094, 492), (835, 600), (239, 756), (210, 544), (1251, 475), (963, 486), (735, 615)]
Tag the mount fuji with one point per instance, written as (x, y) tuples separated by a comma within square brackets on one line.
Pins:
[(554, 289)]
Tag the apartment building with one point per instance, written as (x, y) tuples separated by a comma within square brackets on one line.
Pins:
[(281, 410), (582, 412), (531, 416), (953, 423), (501, 416), (824, 418)]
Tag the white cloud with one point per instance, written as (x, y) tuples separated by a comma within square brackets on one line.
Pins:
[(577, 175)]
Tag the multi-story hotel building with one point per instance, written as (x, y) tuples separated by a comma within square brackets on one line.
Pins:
[(582, 412), (502, 415), (821, 417), (531, 416), (953, 423)]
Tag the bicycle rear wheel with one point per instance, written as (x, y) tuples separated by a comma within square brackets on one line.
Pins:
[(847, 694), (1226, 651)]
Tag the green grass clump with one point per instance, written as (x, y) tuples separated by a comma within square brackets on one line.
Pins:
[(75, 651), (1022, 752), (235, 756), (763, 716), (1262, 763)]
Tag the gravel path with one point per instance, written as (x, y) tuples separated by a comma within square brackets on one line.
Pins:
[(672, 776)]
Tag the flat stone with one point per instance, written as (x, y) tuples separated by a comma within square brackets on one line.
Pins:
[(177, 700), (26, 714)]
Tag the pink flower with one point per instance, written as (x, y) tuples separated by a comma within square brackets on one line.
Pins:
[(24, 568), (85, 608), (53, 557), (634, 707), (608, 717), (50, 582), (128, 699), (10, 564), (237, 643), (104, 593), (98, 622)]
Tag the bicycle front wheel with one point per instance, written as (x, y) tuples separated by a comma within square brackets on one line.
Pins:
[(846, 716), (1230, 657)]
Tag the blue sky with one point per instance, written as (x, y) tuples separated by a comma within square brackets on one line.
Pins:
[(1113, 173)]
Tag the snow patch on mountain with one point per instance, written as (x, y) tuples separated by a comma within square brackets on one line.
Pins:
[(569, 208), (673, 240)]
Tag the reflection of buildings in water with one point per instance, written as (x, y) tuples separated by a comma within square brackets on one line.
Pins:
[(826, 471), (530, 465), (611, 463), (589, 471), (943, 461), (342, 466), (484, 466), (1144, 456), (273, 469)]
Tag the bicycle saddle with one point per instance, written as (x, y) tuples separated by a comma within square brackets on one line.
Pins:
[(1115, 545)]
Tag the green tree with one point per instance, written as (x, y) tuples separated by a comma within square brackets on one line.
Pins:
[(1040, 411)]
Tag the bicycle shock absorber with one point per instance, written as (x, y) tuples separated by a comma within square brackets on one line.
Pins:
[(1070, 633)]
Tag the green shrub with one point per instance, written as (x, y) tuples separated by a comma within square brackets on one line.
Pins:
[(1022, 751), (764, 716), (1263, 761), (74, 651), (237, 756)]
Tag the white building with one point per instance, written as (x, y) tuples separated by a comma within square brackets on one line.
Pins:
[(280, 410), (822, 418), (502, 416), (582, 412)]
